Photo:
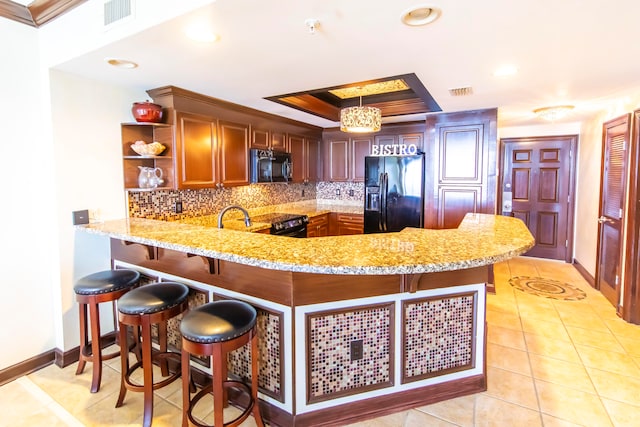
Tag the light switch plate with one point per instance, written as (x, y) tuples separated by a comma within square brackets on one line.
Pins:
[(81, 217)]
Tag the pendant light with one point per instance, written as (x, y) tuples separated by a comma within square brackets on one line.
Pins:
[(360, 119)]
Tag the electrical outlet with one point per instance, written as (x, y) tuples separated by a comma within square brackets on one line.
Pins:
[(81, 217), (178, 207), (337, 191), (302, 193), (351, 193), (357, 351)]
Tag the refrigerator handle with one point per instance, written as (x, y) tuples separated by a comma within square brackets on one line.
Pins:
[(381, 202), (385, 192)]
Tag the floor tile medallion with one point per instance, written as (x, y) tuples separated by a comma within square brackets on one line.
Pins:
[(547, 288)]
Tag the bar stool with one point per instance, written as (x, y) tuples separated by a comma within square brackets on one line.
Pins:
[(142, 307), (91, 290), (214, 329)]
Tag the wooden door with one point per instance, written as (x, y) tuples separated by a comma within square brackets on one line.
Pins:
[(615, 137), (233, 153), (538, 187), (631, 289), (195, 148), (460, 171)]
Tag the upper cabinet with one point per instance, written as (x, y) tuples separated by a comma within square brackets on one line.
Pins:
[(344, 153), (196, 163), (461, 166), (305, 159), (268, 139), (233, 153)]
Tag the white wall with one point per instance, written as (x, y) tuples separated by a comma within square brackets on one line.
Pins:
[(86, 118), (28, 274)]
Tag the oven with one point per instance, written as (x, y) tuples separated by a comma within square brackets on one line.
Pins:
[(285, 225)]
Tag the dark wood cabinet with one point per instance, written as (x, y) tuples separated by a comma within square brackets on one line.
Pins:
[(305, 158), (268, 139), (233, 153), (344, 224), (196, 165), (344, 158), (318, 226), (460, 166), (147, 132)]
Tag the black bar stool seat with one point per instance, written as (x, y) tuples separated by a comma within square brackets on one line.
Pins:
[(215, 329), (91, 290), (140, 308)]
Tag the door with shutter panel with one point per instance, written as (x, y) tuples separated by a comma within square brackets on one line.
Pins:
[(611, 218)]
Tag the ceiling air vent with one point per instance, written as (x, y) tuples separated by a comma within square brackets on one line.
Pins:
[(461, 91), (115, 11)]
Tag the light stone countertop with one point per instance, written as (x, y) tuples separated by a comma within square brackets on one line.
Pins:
[(480, 240)]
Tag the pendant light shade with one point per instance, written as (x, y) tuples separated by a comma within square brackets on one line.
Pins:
[(360, 119)]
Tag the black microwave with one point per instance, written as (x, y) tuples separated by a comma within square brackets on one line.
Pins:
[(270, 166)]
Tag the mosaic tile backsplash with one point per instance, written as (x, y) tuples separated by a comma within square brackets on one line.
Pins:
[(160, 204), (332, 373), (439, 336)]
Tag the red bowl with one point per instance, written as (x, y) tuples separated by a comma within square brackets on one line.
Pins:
[(147, 112)]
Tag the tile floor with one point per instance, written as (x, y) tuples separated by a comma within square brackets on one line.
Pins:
[(550, 363)]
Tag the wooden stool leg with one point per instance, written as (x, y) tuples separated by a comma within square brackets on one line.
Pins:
[(218, 388), (84, 337), (147, 368), (124, 363), (186, 386), (254, 378), (162, 343), (96, 352)]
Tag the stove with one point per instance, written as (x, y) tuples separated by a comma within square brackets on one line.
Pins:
[(284, 224)]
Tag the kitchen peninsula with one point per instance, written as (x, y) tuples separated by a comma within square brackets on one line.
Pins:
[(351, 327)]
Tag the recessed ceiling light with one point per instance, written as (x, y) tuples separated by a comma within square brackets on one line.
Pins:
[(121, 63), (420, 15), (506, 70), (552, 113), (201, 33)]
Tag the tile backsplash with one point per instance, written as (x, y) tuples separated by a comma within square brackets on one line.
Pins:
[(160, 204)]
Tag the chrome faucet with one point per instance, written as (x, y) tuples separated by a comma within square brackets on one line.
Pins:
[(247, 221)]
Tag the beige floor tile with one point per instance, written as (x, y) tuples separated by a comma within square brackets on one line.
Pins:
[(609, 361), (420, 419), (622, 414), (506, 337), (502, 305), (615, 386), (571, 405), (621, 328), (458, 411), (557, 371), (553, 330), (592, 338), (511, 387), (563, 350), (631, 346), (549, 421), (504, 320), (20, 408), (492, 412), (508, 358), (586, 319), (393, 420)]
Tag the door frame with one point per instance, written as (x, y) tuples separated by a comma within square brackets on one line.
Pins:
[(572, 140)]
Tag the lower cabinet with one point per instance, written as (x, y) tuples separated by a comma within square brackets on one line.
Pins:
[(318, 226), (342, 224)]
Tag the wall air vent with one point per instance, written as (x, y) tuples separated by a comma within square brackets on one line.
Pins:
[(117, 11), (461, 91)]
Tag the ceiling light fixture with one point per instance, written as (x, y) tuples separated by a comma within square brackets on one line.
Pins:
[(201, 33), (121, 63), (420, 15), (360, 119), (312, 24), (553, 113)]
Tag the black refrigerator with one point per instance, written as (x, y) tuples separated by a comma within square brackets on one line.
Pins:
[(393, 193)]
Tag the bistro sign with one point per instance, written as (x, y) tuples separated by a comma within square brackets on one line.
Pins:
[(394, 150)]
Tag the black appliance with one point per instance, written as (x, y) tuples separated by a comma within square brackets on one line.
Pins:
[(270, 166), (394, 193), (283, 224)]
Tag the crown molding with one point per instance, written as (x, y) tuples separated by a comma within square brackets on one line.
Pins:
[(38, 12)]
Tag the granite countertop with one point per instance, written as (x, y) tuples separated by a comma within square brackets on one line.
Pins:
[(480, 240)]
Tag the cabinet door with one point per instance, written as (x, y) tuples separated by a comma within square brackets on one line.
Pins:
[(260, 139), (298, 158), (318, 226), (361, 147), (279, 141), (462, 156), (337, 156), (233, 154), (314, 167), (195, 151)]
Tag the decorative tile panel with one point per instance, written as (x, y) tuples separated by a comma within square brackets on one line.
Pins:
[(331, 372), (270, 342), (439, 336)]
